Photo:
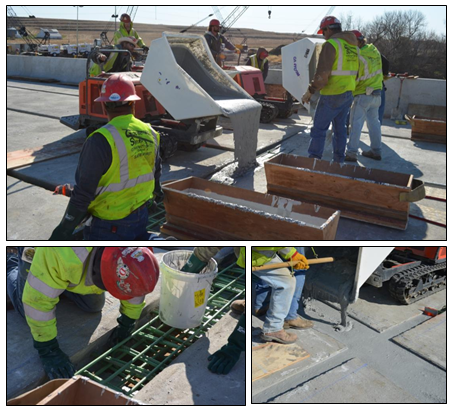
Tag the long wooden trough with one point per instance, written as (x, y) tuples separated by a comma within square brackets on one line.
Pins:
[(203, 210), (428, 129), (375, 196)]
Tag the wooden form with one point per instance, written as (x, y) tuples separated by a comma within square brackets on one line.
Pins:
[(428, 129), (375, 196), (75, 391), (203, 210)]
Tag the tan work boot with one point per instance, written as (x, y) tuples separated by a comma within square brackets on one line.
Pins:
[(280, 337), (238, 306), (299, 323)]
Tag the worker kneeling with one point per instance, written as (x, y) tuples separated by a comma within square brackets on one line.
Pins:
[(118, 172), (83, 274)]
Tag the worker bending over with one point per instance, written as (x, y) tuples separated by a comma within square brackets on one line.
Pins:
[(260, 61), (126, 30), (215, 41), (283, 288), (113, 61), (366, 106), (82, 274), (118, 172), (335, 80)]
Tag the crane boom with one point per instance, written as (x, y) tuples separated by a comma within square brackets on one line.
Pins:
[(330, 10), (233, 17)]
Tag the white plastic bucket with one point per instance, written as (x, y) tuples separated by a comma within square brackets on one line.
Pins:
[(184, 295)]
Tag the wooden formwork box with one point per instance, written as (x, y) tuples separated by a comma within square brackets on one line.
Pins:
[(190, 216), (374, 196), (428, 129)]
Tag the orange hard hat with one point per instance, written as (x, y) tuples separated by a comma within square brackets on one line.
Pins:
[(129, 272), (328, 21), (125, 18), (118, 88), (214, 23)]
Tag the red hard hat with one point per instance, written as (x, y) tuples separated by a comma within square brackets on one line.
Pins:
[(129, 272), (214, 23), (358, 34), (125, 18), (328, 21), (118, 88)]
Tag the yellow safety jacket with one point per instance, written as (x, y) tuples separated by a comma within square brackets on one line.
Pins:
[(122, 32), (96, 70), (345, 68), (53, 271), (370, 70), (262, 255), (129, 181), (254, 62), (241, 259)]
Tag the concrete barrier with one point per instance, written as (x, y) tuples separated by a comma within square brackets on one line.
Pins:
[(67, 70)]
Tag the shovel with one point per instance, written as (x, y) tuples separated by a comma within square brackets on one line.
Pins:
[(290, 263)]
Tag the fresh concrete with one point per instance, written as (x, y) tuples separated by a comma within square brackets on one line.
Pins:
[(187, 381), (428, 340), (354, 382)]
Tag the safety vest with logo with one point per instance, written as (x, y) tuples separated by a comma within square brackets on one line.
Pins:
[(254, 62), (53, 271), (370, 70), (262, 255), (345, 68), (129, 181)]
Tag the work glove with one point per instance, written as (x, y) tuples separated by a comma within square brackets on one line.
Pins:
[(302, 261), (72, 217), (56, 363), (307, 96), (194, 265), (222, 361), (237, 51), (64, 189), (122, 331)]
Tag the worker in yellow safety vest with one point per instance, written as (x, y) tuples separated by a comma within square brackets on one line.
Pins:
[(282, 283), (83, 274), (260, 61), (223, 360), (126, 30), (118, 172), (366, 106), (335, 80)]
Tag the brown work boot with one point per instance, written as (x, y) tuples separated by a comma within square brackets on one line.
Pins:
[(298, 323), (280, 336), (371, 155), (238, 306)]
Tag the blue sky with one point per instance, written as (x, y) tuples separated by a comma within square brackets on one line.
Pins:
[(293, 19)]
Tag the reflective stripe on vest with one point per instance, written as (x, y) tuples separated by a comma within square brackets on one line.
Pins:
[(125, 181), (367, 74), (42, 287), (339, 70), (254, 62), (35, 314)]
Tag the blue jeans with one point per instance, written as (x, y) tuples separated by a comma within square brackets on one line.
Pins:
[(131, 228), (382, 106), (364, 108), (330, 109), (16, 276), (282, 286)]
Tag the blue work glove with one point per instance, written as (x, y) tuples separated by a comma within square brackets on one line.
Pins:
[(56, 363), (122, 331), (222, 361)]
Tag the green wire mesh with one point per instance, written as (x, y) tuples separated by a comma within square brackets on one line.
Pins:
[(157, 218), (130, 365)]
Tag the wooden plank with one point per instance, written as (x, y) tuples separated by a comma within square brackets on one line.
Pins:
[(272, 357), (20, 158)]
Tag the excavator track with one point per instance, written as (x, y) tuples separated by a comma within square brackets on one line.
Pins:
[(417, 283)]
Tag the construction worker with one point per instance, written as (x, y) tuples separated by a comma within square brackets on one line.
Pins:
[(83, 274), (118, 172), (113, 61), (283, 286), (335, 80), (126, 30), (367, 101), (216, 40), (223, 360), (260, 61)]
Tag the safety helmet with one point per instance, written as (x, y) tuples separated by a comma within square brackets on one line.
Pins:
[(118, 88), (329, 21), (214, 23), (125, 18), (358, 34), (263, 54), (131, 40), (129, 272)]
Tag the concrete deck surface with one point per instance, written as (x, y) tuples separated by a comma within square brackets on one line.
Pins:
[(34, 109), (399, 367)]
